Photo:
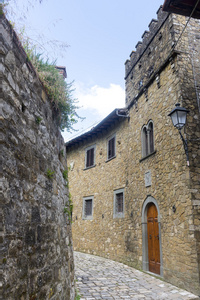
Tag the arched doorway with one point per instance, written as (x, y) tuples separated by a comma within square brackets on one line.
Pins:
[(151, 237)]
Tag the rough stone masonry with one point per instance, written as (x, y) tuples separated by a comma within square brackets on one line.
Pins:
[(35, 233), (157, 77)]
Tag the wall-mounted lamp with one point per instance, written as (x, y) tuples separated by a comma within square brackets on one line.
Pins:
[(179, 116)]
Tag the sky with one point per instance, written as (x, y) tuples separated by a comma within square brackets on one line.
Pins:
[(100, 36)]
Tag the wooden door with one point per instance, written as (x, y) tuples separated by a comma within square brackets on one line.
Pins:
[(153, 239)]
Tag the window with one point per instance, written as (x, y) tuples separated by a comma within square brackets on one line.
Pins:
[(118, 204), (88, 208), (90, 157), (147, 139), (111, 147), (151, 142)]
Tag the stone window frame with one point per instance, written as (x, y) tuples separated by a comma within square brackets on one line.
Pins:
[(84, 215), (147, 139), (94, 156), (113, 136), (117, 214)]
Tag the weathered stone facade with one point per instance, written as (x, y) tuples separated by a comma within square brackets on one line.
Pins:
[(159, 74), (36, 244)]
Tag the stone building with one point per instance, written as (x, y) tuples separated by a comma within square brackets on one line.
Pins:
[(35, 233), (135, 198), (190, 8)]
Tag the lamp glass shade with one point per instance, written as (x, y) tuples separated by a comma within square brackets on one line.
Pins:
[(178, 116)]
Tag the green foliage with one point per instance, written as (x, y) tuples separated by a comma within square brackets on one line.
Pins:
[(3, 7), (51, 293), (4, 260), (65, 174), (38, 120), (68, 209), (77, 296), (50, 173), (62, 152), (58, 90), (70, 203)]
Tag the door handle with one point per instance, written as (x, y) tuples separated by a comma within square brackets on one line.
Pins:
[(150, 236), (157, 237)]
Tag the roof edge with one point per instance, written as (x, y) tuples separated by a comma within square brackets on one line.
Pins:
[(116, 114)]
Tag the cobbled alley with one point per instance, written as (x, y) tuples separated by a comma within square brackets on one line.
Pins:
[(100, 278)]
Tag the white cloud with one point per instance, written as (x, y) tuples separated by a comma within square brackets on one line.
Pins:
[(101, 100), (95, 104)]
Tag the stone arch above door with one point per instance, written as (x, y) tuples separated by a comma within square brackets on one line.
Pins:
[(145, 259)]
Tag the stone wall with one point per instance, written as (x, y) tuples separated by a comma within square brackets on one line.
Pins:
[(173, 184), (36, 243), (150, 54)]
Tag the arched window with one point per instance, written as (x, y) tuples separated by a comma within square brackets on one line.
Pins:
[(147, 139), (144, 141), (151, 139)]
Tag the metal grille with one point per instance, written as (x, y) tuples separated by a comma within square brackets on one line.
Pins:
[(119, 203), (88, 207)]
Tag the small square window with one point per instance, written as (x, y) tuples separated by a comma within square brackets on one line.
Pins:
[(119, 204), (87, 208), (111, 147), (90, 157)]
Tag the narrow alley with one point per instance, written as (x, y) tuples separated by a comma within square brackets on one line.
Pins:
[(100, 278)]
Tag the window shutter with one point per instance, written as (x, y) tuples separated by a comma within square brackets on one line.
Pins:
[(111, 148), (90, 158), (151, 138), (85, 212), (146, 141)]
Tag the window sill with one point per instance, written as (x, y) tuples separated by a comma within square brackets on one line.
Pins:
[(89, 167), (145, 157), (109, 159), (118, 216)]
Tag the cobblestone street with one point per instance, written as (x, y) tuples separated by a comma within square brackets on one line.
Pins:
[(100, 278)]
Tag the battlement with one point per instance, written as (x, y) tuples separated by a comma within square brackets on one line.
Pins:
[(147, 36)]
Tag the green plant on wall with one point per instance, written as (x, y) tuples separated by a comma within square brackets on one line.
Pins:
[(77, 296), (65, 175), (68, 209), (62, 152), (38, 120), (4, 260), (49, 173), (58, 90)]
